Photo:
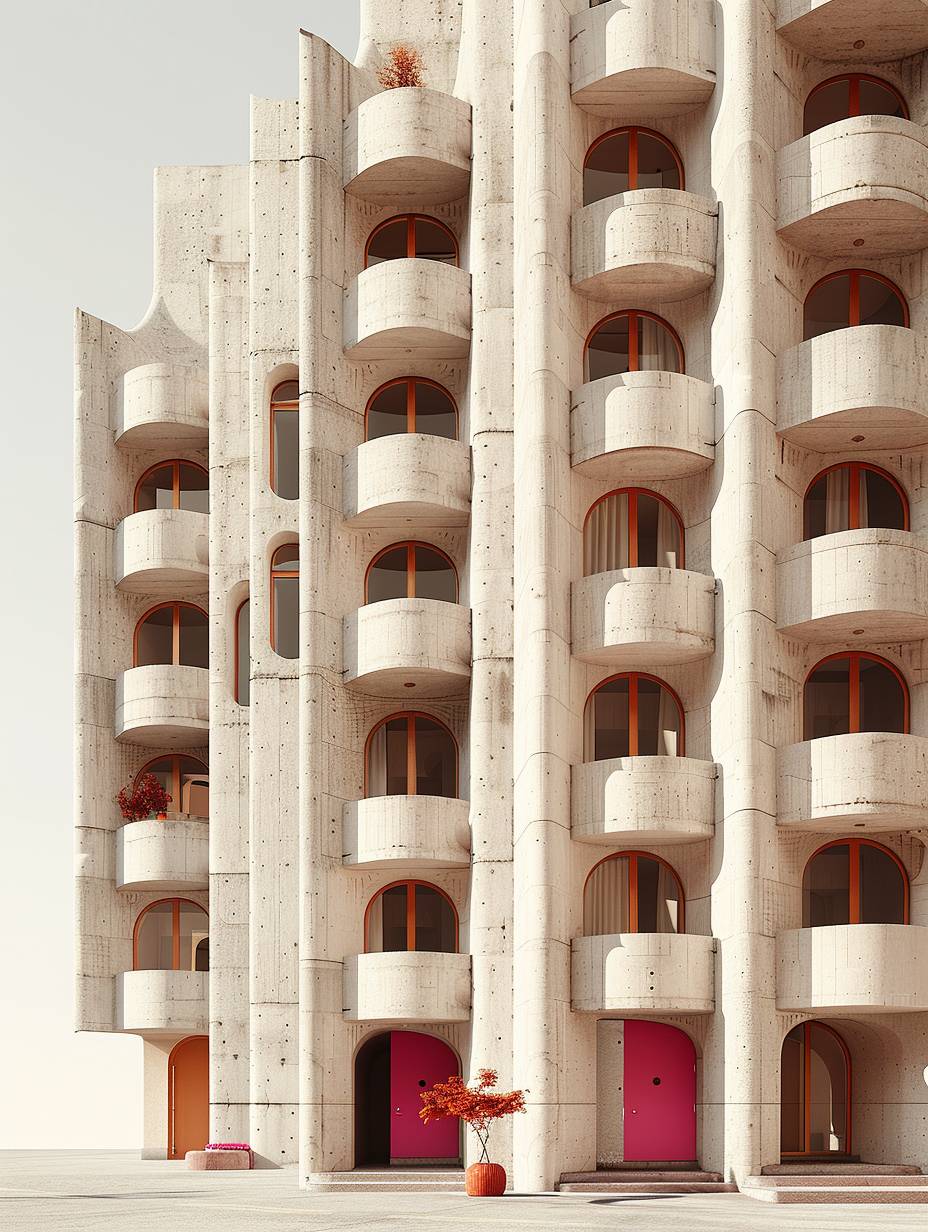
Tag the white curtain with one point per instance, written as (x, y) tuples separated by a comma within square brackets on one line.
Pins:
[(657, 350), (837, 502), (668, 724), (377, 763), (668, 904), (605, 536), (668, 538), (605, 900), (375, 926)]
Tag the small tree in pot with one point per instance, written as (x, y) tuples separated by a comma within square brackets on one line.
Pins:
[(476, 1106), (146, 799)]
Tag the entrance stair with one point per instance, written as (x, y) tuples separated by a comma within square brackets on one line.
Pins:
[(388, 1180), (645, 1178), (881, 1184)]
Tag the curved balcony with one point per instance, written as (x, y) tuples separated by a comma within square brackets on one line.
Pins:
[(863, 179), (409, 648), (642, 59), (410, 308), (653, 244), (868, 781), (642, 801), (407, 986), (863, 968), (163, 552), (643, 425), (643, 973), (164, 706), (852, 30), (162, 855), (410, 482), (857, 585), (162, 407), (163, 1002), (408, 148), (861, 387), (643, 618), (406, 833)]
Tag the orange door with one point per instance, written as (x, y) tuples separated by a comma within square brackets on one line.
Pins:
[(188, 1096)]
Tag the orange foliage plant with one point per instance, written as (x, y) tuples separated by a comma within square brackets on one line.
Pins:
[(477, 1106), (403, 67)]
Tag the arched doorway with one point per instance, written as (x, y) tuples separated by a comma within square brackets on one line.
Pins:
[(391, 1071), (815, 1092), (188, 1096)]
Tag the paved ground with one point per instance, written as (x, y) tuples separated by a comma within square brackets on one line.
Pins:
[(73, 1191)]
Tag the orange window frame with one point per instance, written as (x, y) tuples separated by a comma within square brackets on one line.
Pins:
[(411, 763), (279, 404), (634, 315), (854, 845), (174, 759), (633, 131), (236, 656), (633, 495), (854, 80), (410, 884), (410, 545), (411, 220), (633, 678), (854, 657), (807, 1088), (175, 928), (280, 571), (633, 856), (175, 628), (854, 470), (854, 293), (410, 382), (175, 464)]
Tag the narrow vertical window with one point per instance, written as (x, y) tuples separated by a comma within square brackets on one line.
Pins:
[(285, 440), (285, 601), (243, 653)]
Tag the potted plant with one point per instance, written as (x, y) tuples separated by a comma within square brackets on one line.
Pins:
[(147, 798), (403, 67), (476, 1106)]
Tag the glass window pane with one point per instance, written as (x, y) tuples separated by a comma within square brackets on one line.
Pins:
[(287, 558), (658, 721), (386, 415), (657, 349), (389, 243), (605, 536), (607, 354), (657, 167), (879, 303), (286, 631), (194, 637), (436, 760), (243, 654), (435, 577), (155, 940), (880, 502), (155, 639), (658, 897), (658, 534), (827, 1092), (156, 491), (609, 707), (435, 413), (878, 99), (433, 242), (826, 888), (386, 578), (606, 170), (396, 751), (792, 1092), (393, 935), (827, 701), (827, 105), (828, 307), (828, 503), (194, 928), (194, 489), (287, 391), (882, 889), (606, 899), (194, 787), (286, 446), (435, 931), (882, 698)]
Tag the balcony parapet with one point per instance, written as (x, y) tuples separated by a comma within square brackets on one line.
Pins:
[(163, 705), (406, 833), (411, 309), (407, 986), (643, 801), (162, 855), (409, 481), (162, 406), (853, 968), (643, 973), (408, 648), (163, 1002), (163, 552)]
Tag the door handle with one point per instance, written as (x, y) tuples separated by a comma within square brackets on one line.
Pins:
[(396, 1112)]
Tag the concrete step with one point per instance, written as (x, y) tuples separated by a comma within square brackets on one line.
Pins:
[(901, 1179), (644, 1181), (388, 1180), (851, 1193), (841, 1169)]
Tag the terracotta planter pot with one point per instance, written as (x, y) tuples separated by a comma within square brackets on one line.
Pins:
[(162, 817), (485, 1181)]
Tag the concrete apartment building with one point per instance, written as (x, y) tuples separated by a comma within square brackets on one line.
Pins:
[(506, 537)]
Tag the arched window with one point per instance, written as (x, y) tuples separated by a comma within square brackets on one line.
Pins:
[(173, 485), (632, 715), (185, 779), (411, 404), (285, 440), (411, 754), (632, 528), (243, 653), (285, 601), (630, 158), (632, 892), (852, 496), (632, 341), (411, 571), (411, 915), (169, 935), (815, 1092), (854, 881), (411, 235), (175, 633), (853, 297), (851, 94), (854, 692)]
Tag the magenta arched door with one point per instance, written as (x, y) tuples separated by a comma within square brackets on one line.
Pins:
[(659, 1092), (417, 1062)]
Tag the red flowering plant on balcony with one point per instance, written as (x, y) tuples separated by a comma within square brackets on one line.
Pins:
[(403, 67), (143, 800), (476, 1106)]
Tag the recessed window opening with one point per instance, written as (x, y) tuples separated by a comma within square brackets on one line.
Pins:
[(411, 754), (629, 529), (632, 892), (169, 935), (851, 94), (184, 778), (628, 159), (632, 341), (853, 496), (411, 571), (173, 485), (632, 715), (242, 685), (172, 633), (850, 298), (854, 692), (411, 235), (854, 881), (285, 601), (411, 404), (411, 915), (285, 440)]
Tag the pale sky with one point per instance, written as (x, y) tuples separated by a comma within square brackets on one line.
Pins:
[(93, 95)]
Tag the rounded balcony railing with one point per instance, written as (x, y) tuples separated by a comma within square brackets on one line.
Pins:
[(408, 648), (407, 986), (164, 705), (406, 833), (409, 481), (643, 973), (410, 308), (643, 801), (161, 407), (163, 552), (163, 855), (853, 968), (163, 1002)]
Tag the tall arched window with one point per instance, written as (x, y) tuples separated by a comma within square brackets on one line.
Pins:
[(854, 692), (632, 341), (185, 779), (243, 653), (851, 94), (175, 633), (627, 159), (411, 235), (171, 935), (632, 715), (852, 496), (285, 601), (285, 440), (411, 571), (815, 1092), (173, 485), (632, 892), (853, 297), (411, 754), (854, 881), (411, 915), (632, 528), (411, 404)]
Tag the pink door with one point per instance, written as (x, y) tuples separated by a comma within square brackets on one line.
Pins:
[(417, 1062), (659, 1092)]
